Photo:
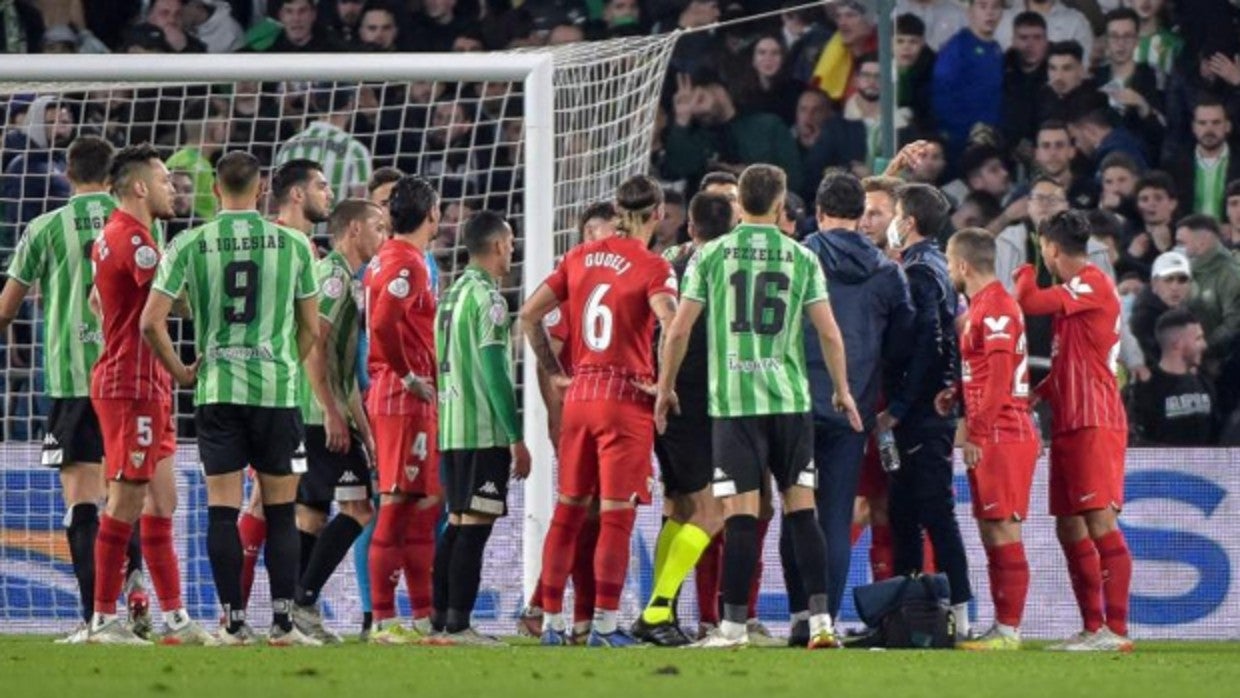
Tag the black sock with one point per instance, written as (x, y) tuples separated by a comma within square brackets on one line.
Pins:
[(224, 552), (811, 555), (441, 576), (281, 555), (792, 571), (83, 526), (368, 620), (466, 574), (134, 552), (304, 551), (329, 549), (740, 558)]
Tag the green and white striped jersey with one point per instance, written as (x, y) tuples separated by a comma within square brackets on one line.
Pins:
[(243, 276), (345, 161), (55, 254), (755, 282), (477, 400), (337, 305)]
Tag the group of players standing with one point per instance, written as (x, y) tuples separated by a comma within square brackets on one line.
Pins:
[(276, 389)]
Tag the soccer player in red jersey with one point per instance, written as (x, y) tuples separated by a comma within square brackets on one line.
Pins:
[(400, 312), (997, 435), (611, 292), (132, 395), (1090, 431)]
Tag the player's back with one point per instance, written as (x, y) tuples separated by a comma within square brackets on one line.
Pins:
[(244, 276), (995, 323), (1084, 354), (400, 300), (755, 282), (605, 288)]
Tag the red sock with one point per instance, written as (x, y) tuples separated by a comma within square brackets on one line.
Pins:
[(583, 570), (253, 532), (882, 557), (706, 579), (111, 548), (536, 597), (854, 534), (1009, 582), (1116, 563), (755, 584), (1085, 570), (419, 557), (611, 557), (386, 545), (927, 556), (161, 560), (558, 549)]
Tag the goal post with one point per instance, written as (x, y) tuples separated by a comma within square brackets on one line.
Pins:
[(586, 114)]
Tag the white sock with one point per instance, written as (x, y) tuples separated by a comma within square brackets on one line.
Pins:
[(733, 631), (553, 621), (961, 611), (604, 622), (423, 625), (389, 623), (98, 620), (1007, 630), (581, 627), (820, 623), (175, 620), (798, 617)]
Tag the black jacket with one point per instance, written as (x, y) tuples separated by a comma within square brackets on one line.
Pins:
[(935, 360)]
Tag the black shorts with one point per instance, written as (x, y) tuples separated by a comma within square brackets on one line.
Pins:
[(333, 477), (476, 480), (684, 453), (746, 447), (73, 434), (231, 437)]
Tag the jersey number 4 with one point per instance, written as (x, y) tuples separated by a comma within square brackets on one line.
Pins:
[(768, 311)]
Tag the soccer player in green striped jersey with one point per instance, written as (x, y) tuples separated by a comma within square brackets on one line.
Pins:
[(755, 285), (480, 439), (251, 288), (338, 438), (344, 159), (55, 253)]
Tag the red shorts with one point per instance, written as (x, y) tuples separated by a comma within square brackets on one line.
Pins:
[(605, 449), (407, 453), (137, 435), (1002, 482), (873, 482), (1087, 470)]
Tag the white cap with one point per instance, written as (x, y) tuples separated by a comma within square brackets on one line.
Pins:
[(1171, 264)]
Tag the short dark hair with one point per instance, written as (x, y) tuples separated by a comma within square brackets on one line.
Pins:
[(129, 161), (413, 199), (1233, 189), (1051, 125), (975, 246), (1171, 321), (760, 187), (479, 230), (909, 24), (1122, 14), (1104, 225), (636, 200), (1157, 179), (724, 178), (599, 209), (671, 197), (348, 211), (90, 160), (294, 173), (382, 176), (1068, 229), (926, 205), (1199, 222), (1210, 101), (1094, 117), (710, 215), (1029, 18), (1066, 48), (840, 195), (237, 172), (1120, 159), (987, 204), (975, 158)]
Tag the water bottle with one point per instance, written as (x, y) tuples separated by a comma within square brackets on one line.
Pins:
[(887, 451)]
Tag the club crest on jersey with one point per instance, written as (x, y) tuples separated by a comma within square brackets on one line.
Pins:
[(333, 287), (398, 287), (498, 312), (411, 472), (996, 327), (137, 458), (145, 257)]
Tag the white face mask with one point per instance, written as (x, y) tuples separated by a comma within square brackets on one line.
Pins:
[(895, 241)]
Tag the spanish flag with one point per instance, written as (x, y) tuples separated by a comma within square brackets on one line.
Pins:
[(834, 68)]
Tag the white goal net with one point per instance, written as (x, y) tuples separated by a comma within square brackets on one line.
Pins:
[(536, 140)]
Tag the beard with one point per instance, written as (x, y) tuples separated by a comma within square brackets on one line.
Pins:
[(316, 215)]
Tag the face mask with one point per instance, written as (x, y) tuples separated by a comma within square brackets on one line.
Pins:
[(894, 240)]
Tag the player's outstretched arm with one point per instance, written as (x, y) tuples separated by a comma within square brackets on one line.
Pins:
[(11, 301), (672, 355), (531, 317), (154, 326), (823, 319)]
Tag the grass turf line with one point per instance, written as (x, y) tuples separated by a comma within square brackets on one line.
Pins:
[(34, 667)]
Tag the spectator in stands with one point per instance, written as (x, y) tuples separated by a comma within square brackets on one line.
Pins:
[(182, 203), (341, 19), (930, 167), (561, 34), (34, 181), (1018, 243), (968, 78), (1170, 283), (1158, 46), (1203, 173), (301, 33), (1068, 90), (146, 38), (60, 39), (1062, 23), (1156, 204), (378, 30), (813, 110), (329, 141), (915, 63), (1119, 175), (982, 169), (805, 37), (439, 23), (977, 210), (166, 14), (1096, 136), (863, 106), (1131, 87), (212, 23), (764, 82), (1175, 407), (708, 132), (941, 19), (855, 35), (1215, 298), (447, 157), (1216, 77), (1054, 155), (1024, 75), (1233, 215), (205, 135), (21, 28)]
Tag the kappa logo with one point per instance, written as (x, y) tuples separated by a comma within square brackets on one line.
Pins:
[(997, 327), (489, 487), (50, 441), (348, 477)]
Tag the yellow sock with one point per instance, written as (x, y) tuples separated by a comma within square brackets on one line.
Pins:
[(664, 542), (682, 555)]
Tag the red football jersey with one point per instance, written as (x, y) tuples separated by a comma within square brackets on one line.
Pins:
[(400, 312), (125, 257), (1081, 387), (604, 289), (995, 369)]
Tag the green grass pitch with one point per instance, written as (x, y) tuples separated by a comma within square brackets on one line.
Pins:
[(33, 666)]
